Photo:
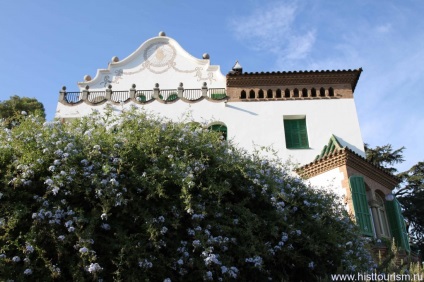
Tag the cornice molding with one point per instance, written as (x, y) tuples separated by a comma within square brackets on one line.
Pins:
[(350, 77), (350, 159)]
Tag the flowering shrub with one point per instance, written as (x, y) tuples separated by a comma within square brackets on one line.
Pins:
[(139, 198)]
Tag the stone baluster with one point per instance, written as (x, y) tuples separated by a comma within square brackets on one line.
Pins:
[(62, 95), (132, 92), (205, 90), (85, 93), (109, 92), (156, 91), (180, 90)]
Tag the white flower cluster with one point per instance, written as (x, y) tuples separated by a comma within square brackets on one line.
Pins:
[(146, 264), (231, 272), (256, 260), (94, 267)]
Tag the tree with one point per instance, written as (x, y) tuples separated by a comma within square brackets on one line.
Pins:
[(138, 198), (16, 105), (411, 196), (411, 190), (384, 156)]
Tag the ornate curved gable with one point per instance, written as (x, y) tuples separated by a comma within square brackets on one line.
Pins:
[(158, 60)]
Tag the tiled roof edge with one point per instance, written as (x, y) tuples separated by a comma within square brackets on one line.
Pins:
[(296, 72)]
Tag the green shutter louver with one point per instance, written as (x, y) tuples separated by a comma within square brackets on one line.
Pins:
[(296, 134), (219, 128), (360, 204), (397, 224)]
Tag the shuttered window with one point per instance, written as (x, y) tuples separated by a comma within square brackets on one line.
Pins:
[(296, 134), (219, 128), (397, 224), (360, 204)]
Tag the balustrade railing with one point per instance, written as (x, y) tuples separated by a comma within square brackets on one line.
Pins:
[(120, 96), (73, 97), (217, 93), (168, 94), (144, 95), (141, 96), (96, 96), (192, 94)]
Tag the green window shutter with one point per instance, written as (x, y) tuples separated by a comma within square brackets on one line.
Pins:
[(397, 224), (296, 133), (219, 128), (360, 204)]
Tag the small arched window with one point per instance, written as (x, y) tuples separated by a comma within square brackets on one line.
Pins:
[(287, 93), (219, 128), (313, 92), (322, 92), (278, 93), (243, 94), (304, 92), (252, 94), (331, 92), (296, 92), (260, 94), (269, 93)]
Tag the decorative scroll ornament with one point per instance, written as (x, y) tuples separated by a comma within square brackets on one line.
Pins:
[(159, 58)]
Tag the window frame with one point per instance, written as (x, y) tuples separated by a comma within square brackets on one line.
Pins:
[(382, 216), (296, 132)]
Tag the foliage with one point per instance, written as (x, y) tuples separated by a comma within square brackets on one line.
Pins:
[(411, 191), (411, 196), (138, 198), (395, 263), (17, 105), (384, 156)]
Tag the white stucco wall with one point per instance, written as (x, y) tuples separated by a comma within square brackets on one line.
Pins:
[(158, 60), (261, 123), (330, 180)]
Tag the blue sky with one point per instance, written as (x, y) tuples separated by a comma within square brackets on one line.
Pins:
[(48, 44)]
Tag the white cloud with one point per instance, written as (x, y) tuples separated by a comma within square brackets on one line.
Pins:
[(272, 29), (385, 28)]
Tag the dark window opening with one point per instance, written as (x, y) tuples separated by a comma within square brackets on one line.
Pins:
[(278, 93), (313, 92), (287, 93), (304, 92), (269, 93), (322, 92), (331, 92), (260, 94)]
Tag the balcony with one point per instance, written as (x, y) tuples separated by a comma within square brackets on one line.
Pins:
[(142, 96)]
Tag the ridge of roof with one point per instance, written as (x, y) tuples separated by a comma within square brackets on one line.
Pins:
[(333, 144)]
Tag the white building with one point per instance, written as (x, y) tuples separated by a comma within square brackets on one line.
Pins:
[(307, 116)]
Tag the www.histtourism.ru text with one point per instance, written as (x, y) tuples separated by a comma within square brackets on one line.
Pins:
[(376, 276)]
